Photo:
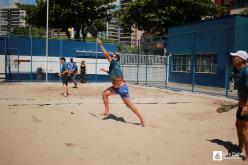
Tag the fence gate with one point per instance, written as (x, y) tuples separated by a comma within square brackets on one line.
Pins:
[(149, 70)]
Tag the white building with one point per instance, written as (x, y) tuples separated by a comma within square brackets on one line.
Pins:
[(10, 18), (113, 30), (116, 33)]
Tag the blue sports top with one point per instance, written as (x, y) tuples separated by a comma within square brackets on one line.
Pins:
[(115, 70), (71, 66), (65, 66), (243, 84)]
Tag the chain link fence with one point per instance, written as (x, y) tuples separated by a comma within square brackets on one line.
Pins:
[(159, 70)]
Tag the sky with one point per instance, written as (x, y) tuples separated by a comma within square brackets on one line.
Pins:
[(11, 3)]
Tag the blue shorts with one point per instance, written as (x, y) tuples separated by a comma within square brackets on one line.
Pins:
[(122, 91)]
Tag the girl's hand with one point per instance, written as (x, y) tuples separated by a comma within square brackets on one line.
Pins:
[(99, 42), (244, 110)]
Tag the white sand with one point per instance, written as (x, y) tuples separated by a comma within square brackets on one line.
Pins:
[(38, 126)]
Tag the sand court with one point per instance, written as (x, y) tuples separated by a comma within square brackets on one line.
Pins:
[(38, 125)]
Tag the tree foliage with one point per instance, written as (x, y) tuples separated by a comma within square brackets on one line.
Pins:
[(158, 15), (26, 31), (80, 14)]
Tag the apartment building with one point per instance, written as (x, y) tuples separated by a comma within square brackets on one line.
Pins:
[(115, 32), (11, 18)]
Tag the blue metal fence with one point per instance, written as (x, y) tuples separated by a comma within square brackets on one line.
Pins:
[(23, 57), (215, 39)]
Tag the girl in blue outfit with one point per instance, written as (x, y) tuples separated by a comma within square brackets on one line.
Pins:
[(118, 84)]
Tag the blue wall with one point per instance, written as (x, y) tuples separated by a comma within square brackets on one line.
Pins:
[(241, 34), (218, 36), (57, 48), (53, 77)]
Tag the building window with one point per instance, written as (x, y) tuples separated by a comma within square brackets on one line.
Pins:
[(206, 63), (181, 63)]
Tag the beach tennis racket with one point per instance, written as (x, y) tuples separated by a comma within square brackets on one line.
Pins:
[(225, 108), (92, 29)]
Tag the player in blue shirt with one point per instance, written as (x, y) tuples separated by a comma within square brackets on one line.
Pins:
[(239, 62), (118, 84), (74, 72), (65, 75)]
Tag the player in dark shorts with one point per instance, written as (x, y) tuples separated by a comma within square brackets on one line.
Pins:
[(239, 62), (73, 72), (64, 75), (83, 72)]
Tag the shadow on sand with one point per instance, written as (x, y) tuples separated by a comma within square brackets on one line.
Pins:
[(231, 148), (113, 117)]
